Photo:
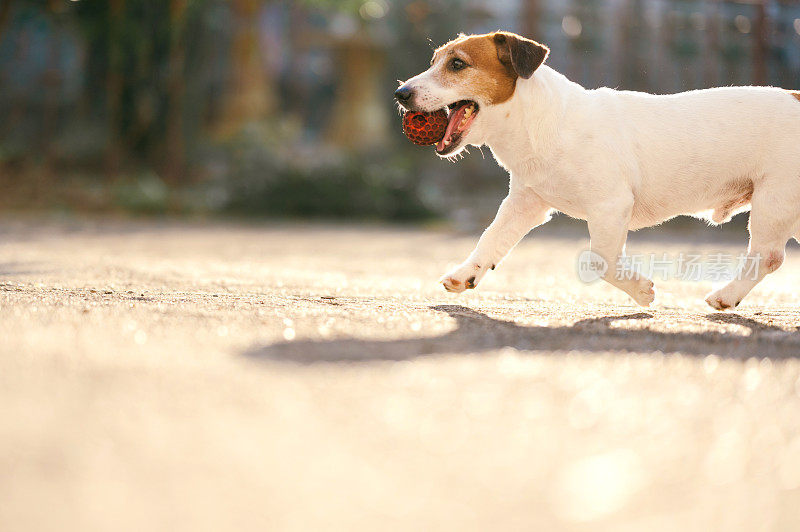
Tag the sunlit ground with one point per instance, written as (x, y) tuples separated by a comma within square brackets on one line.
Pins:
[(312, 377)]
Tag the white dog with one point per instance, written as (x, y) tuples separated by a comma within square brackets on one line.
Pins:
[(619, 160)]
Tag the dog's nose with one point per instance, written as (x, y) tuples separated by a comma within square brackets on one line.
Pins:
[(403, 94)]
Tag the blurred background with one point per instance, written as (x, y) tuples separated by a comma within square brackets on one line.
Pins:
[(280, 109)]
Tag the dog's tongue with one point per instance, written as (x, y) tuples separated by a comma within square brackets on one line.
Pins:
[(455, 119)]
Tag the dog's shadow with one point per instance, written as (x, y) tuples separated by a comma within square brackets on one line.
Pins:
[(477, 332)]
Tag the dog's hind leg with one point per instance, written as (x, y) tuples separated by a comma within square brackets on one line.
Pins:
[(608, 231), (773, 221)]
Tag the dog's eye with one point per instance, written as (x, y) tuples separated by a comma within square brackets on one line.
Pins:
[(457, 64)]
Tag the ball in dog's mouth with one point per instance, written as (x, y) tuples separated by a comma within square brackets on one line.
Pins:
[(460, 118), (425, 129), (443, 128)]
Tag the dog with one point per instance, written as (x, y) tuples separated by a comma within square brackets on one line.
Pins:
[(620, 160)]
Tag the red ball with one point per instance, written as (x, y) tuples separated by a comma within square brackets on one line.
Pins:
[(425, 129)]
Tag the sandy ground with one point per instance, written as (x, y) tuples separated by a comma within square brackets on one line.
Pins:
[(223, 377)]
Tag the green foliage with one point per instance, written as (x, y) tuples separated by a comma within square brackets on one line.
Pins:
[(130, 65), (271, 174), (347, 6), (144, 193), (12, 152), (353, 190)]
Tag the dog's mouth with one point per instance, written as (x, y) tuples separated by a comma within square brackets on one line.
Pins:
[(460, 117)]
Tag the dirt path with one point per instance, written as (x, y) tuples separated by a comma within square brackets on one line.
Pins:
[(200, 377)]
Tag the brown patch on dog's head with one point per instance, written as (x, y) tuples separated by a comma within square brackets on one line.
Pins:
[(490, 64), (796, 94)]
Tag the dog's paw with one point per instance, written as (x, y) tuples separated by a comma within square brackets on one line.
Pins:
[(643, 292), (723, 299), (464, 277)]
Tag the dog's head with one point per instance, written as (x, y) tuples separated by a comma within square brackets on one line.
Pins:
[(467, 75)]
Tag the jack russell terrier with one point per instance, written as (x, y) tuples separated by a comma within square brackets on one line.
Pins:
[(619, 160)]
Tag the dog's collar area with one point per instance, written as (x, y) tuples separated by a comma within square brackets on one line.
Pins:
[(461, 114)]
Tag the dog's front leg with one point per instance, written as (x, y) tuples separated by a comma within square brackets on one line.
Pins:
[(608, 231), (520, 211)]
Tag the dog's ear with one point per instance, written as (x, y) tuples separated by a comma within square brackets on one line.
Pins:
[(522, 55)]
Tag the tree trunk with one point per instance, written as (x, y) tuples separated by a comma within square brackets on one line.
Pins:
[(5, 16), (360, 112), (114, 83), (175, 156), (529, 23), (52, 81), (711, 53), (249, 96), (633, 67), (761, 45)]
